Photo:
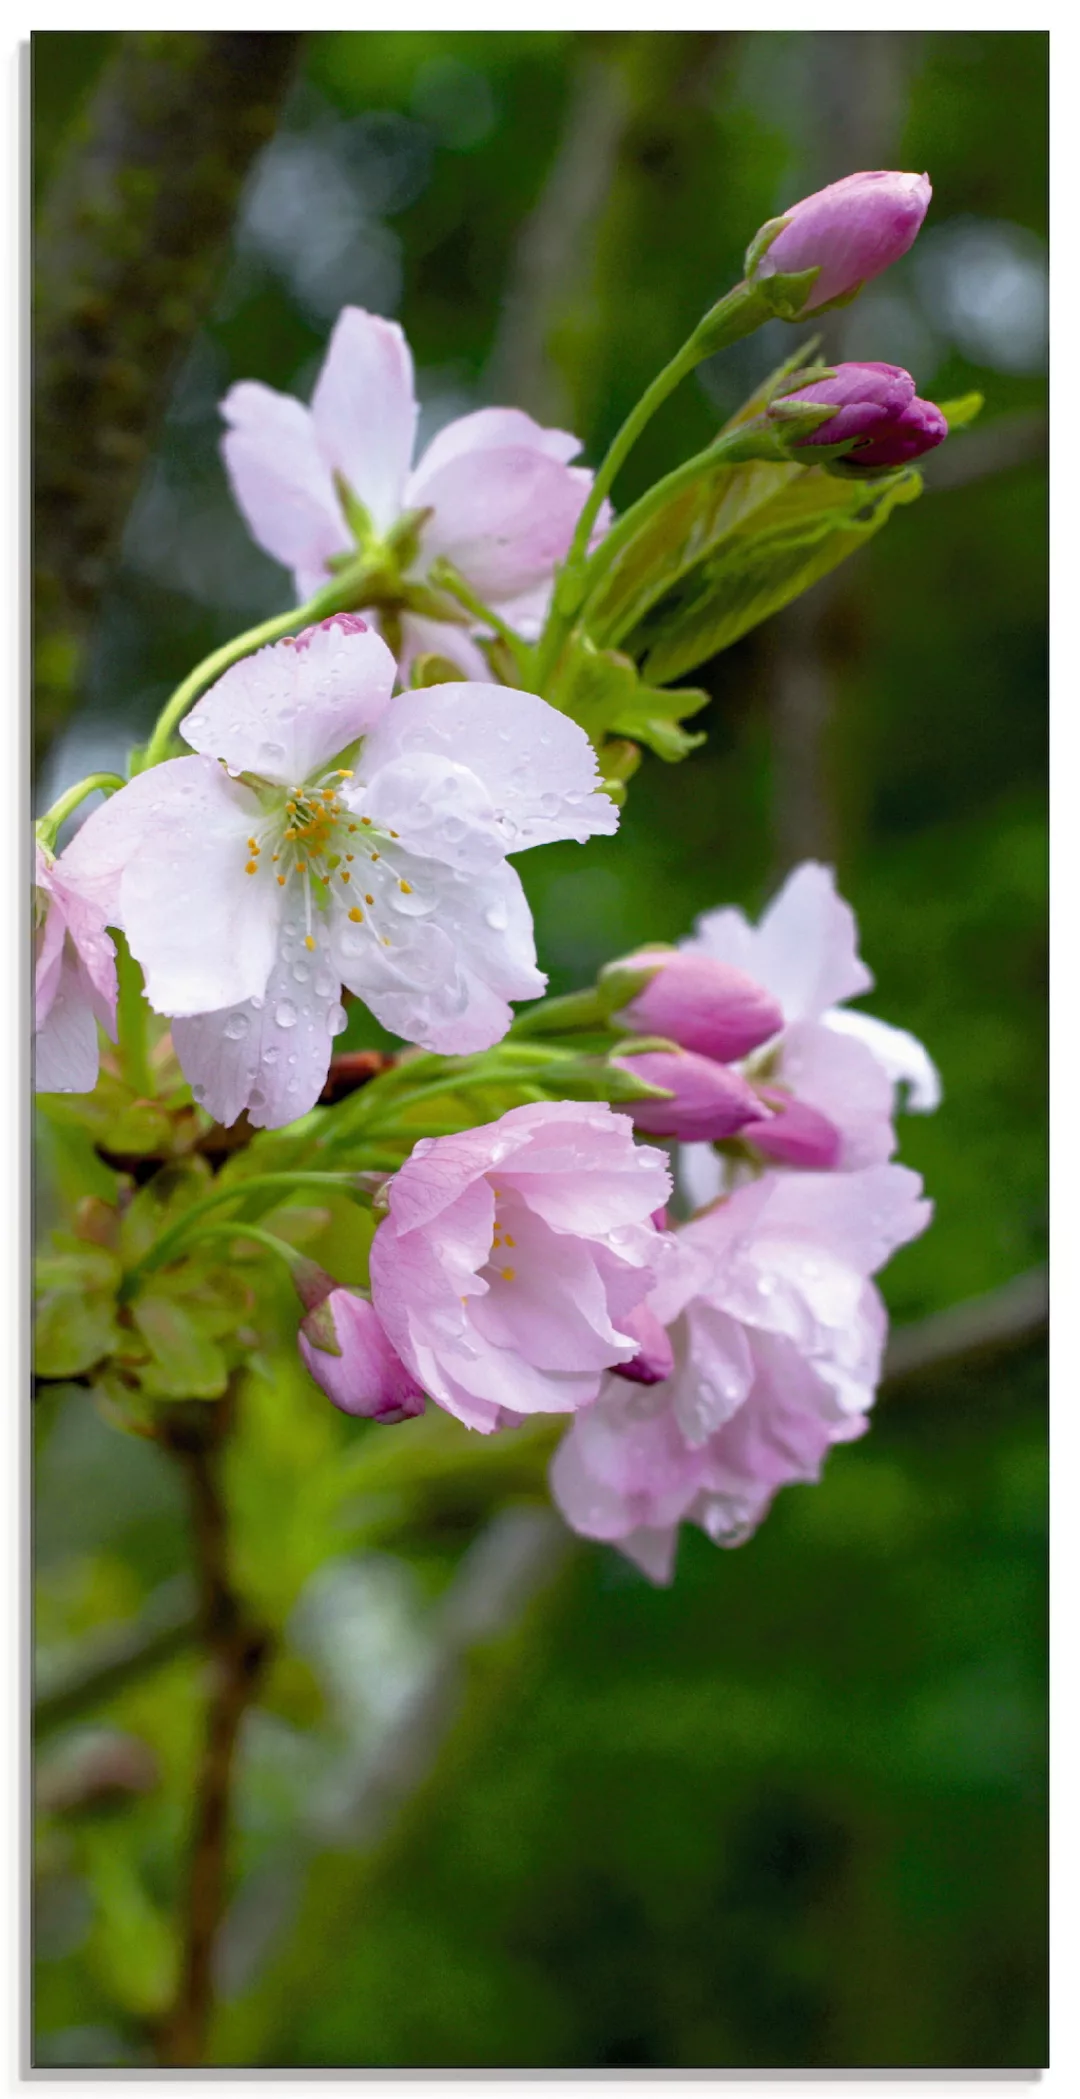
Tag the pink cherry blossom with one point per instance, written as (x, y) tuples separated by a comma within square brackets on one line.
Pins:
[(74, 980), (494, 493), (514, 1256), (776, 1335), (846, 1066), (320, 837), (849, 232), (366, 1376)]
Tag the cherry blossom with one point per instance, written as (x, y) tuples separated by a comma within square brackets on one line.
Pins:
[(321, 836), (494, 493), (514, 1256), (776, 1336), (343, 1345), (845, 1066), (74, 980)]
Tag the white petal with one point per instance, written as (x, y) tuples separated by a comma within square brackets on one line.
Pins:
[(901, 1056), (838, 1075), (486, 430), (280, 479), (504, 516), (537, 766), (700, 1174), (269, 1055), (806, 950), (364, 410), (289, 709), (66, 1046), (204, 931)]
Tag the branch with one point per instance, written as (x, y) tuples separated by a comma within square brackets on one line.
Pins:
[(129, 244), (1003, 1320), (238, 1650)]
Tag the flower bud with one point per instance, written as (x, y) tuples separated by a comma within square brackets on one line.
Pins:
[(849, 232), (875, 408), (346, 1350), (345, 622), (655, 1359), (795, 1135), (702, 1004), (709, 1100)]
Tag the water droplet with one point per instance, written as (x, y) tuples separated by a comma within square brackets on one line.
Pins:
[(497, 917), (452, 830), (301, 972), (236, 1026), (337, 1020), (270, 754), (198, 1092), (325, 984), (269, 1056), (549, 805), (285, 1013)]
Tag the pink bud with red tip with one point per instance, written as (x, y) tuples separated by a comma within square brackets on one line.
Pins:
[(708, 1100), (702, 1004), (655, 1359), (849, 232), (876, 406), (344, 1346)]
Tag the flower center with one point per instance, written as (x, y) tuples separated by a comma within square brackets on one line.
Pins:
[(315, 838), (502, 1255)]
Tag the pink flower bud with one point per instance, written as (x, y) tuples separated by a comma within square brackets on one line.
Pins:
[(849, 232), (795, 1135), (367, 1376), (655, 1359), (877, 406), (709, 1100), (702, 1004)]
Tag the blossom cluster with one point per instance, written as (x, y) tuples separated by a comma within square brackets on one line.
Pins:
[(343, 825)]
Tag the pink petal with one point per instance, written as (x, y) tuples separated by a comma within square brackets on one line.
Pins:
[(807, 945), (364, 410), (489, 429), (839, 1076), (503, 517), (285, 712), (281, 481), (66, 1045), (901, 1056)]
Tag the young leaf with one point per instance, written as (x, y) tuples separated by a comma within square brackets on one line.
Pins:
[(601, 689)]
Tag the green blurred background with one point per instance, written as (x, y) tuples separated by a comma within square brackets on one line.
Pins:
[(791, 1812)]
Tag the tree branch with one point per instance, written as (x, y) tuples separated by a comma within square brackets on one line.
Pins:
[(129, 243), (238, 1650), (997, 1323)]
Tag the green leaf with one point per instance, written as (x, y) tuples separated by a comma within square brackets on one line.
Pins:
[(959, 413), (133, 1946), (774, 553), (185, 1362), (602, 690), (75, 1316)]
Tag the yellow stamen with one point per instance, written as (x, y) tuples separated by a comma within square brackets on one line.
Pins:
[(406, 888), (508, 1275), (365, 819), (345, 875), (369, 900), (343, 773), (308, 942), (356, 915), (250, 869), (510, 1241), (281, 881)]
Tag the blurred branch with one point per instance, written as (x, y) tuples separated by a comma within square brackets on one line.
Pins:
[(237, 1650), (168, 1623), (982, 1326), (130, 238)]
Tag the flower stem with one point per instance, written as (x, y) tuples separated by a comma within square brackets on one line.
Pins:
[(48, 825), (445, 577), (172, 1242), (238, 1228)]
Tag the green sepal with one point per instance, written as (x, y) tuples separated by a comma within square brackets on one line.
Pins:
[(75, 1323), (434, 670), (318, 1328), (763, 240), (788, 291), (357, 515)]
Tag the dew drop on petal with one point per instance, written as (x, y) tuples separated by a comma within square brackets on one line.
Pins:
[(237, 1026), (269, 1056), (301, 972), (497, 917), (285, 1013)]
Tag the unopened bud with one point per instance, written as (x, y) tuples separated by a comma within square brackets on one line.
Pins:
[(875, 409), (849, 233), (708, 1100), (795, 1135), (702, 1004), (347, 1352), (655, 1359)]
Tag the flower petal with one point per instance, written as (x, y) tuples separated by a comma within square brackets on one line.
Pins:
[(287, 710), (807, 945), (537, 766), (364, 410), (900, 1055), (268, 1055), (489, 429), (204, 931), (839, 1075), (504, 516), (281, 481), (66, 1045)]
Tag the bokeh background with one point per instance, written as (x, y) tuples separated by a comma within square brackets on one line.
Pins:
[(504, 1804)]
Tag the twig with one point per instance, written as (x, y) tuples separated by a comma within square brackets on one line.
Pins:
[(169, 1622), (1000, 1321), (237, 1649)]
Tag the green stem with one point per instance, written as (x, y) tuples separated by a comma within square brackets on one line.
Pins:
[(738, 314), (48, 825), (133, 1022), (231, 652), (558, 1016), (445, 577), (172, 1241), (239, 1228)]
